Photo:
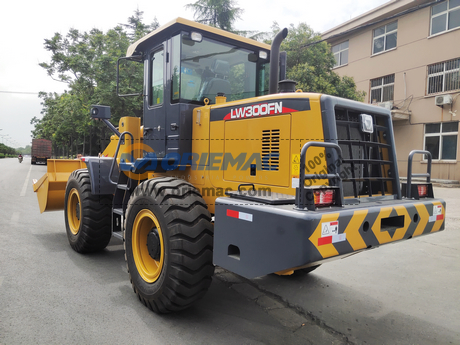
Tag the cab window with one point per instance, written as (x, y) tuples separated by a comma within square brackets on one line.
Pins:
[(156, 78), (202, 69)]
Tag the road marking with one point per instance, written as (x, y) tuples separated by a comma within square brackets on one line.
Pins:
[(15, 218), (24, 187)]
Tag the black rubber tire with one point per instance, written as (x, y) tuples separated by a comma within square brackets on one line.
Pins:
[(93, 231), (187, 232)]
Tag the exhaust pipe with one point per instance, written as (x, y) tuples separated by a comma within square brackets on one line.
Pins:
[(275, 60)]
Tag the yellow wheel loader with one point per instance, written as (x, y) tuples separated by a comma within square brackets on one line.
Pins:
[(230, 166)]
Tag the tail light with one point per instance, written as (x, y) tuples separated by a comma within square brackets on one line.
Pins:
[(418, 190), (324, 197), (422, 190)]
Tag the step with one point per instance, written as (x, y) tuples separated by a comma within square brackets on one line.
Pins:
[(118, 211), (117, 234), (122, 186)]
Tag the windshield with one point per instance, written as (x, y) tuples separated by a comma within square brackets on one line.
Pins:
[(203, 69)]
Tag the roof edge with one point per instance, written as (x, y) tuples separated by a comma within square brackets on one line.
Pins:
[(179, 20), (355, 19)]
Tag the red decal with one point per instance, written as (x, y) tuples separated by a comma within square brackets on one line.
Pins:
[(289, 110), (440, 217), (233, 214), (324, 240), (334, 223)]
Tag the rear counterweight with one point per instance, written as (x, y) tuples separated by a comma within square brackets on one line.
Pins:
[(254, 239)]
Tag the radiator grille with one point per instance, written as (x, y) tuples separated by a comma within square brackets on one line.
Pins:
[(270, 149), (367, 166)]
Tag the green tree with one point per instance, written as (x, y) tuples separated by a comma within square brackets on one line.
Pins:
[(25, 150), (218, 13), (6, 151), (137, 27), (87, 63), (310, 62)]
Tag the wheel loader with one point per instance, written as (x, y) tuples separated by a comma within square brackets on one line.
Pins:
[(231, 167)]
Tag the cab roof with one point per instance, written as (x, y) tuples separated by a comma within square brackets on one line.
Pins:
[(184, 24)]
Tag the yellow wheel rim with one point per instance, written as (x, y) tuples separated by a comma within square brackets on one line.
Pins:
[(74, 211), (148, 268)]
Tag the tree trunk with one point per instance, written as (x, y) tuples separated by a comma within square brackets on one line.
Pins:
[(84, 144)]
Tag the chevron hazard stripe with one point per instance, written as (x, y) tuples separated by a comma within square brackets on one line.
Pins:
[(351, 230)]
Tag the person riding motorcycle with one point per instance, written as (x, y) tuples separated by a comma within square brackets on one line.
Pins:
[(20, 158)]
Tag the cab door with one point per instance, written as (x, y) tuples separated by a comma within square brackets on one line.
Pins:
[(154, 101)]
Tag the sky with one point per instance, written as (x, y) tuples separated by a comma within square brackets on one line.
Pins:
[(24, 25)]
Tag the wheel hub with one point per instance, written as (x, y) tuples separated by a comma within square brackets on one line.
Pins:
[(153, 244), (77, 211)]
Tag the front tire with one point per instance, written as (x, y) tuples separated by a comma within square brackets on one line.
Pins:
[(168, 244), (87, 216)]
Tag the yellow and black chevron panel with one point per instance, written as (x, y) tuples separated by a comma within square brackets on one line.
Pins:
[(352, 230)]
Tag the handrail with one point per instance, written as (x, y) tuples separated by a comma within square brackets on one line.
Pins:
[(409, 170), (300, 200), (116, 154)]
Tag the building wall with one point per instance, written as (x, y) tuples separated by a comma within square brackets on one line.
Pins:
[(415, 50)]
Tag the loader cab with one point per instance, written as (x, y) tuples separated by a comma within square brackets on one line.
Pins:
[(186, 64)]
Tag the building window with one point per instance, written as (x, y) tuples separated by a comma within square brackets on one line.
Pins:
[(445, 16), (385, 38), (382, 89), (441, 140), (340, 52), (443, 76)]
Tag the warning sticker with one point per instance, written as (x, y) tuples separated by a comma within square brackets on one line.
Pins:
[(295, 170), (329, 228), (296, 165), (437, 209), (330, 234), (437, 214)]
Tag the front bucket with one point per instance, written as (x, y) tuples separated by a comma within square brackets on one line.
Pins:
[(50, 188)]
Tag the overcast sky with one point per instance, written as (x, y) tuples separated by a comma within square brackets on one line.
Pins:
[(24, 25)]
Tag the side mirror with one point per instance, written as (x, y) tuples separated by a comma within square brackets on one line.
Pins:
[(100, 112)]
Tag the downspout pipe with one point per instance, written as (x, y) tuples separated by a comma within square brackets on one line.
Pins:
[(275, 60)]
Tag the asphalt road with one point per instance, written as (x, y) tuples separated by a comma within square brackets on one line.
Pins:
[(50, 294), (404, 293)]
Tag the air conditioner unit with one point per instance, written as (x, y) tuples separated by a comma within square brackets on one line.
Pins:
[(442, 100), (387, 105)]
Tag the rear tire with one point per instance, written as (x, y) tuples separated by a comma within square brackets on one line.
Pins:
[(88, 217), (168, 244)]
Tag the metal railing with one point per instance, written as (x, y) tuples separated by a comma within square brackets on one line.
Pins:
[(302, 200), (116, 154), (409, 170)]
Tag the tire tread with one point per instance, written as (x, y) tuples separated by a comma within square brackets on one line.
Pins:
[(191, 241)]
